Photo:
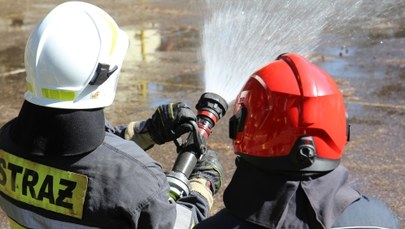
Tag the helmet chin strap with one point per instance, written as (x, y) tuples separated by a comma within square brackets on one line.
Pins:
[(103, 72)]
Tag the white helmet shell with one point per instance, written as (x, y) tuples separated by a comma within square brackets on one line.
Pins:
[(73, 58)]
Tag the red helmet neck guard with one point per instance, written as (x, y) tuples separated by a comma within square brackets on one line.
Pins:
[(290, 115)]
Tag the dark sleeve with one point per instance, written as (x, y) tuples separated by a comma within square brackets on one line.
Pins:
[(160, 212), (224, 219), (197, 204), (189, 210), (118, 130), (365, 213)]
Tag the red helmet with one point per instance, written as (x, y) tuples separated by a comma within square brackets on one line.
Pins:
[(290, 115)]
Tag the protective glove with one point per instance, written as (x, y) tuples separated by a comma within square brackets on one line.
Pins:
[(169, 122), (207, 176)]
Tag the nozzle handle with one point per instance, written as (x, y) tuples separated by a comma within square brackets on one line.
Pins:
[(190, 152)]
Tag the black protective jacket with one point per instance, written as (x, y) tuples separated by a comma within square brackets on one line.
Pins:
[(257, 199), (67, 169)]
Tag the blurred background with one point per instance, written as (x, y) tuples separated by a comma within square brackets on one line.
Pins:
[(164, 64)]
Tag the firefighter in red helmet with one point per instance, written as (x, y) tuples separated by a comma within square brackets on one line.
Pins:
[(289, 130)]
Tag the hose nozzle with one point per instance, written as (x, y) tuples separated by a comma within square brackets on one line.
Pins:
[(211, 107)]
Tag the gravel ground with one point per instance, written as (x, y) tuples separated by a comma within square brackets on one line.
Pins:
[(164, 67)]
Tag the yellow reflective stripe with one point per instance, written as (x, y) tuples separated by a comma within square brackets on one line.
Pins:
[(58, 94), (28, 219), (29, 87), (114, 33), (114, 37), (42, 186)]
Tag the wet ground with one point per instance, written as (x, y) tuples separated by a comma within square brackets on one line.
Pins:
[(163, 66)]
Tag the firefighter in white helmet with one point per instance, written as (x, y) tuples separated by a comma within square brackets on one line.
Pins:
[(61, 164)]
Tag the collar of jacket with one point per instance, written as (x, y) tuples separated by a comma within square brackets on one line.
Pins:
[(288, 201), (48, 131)]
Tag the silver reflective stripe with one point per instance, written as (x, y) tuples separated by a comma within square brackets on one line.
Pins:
[(184, 217), (32, 220), (360, 227)]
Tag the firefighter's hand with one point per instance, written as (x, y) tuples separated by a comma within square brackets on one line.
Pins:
[(169, 122), (207, 176)]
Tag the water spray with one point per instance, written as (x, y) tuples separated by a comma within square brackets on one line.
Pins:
[(211, 107), (239, 37)]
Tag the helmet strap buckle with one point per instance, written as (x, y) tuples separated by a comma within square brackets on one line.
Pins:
[(304, 152), (103, 72)]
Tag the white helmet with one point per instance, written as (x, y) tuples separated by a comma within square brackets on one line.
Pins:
[(73, 58)]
